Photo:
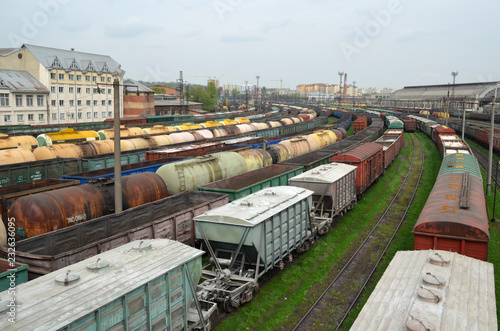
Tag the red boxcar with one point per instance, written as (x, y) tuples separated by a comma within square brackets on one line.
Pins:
[(444, 225), (369, 159), (391, 146), (483, 135)]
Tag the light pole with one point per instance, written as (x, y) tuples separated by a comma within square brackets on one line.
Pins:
[(258, 93), (246, 93), (454, 74), (341, 73), (495, 195), (353, 89)]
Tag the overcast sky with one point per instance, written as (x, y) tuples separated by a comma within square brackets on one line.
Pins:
[(379, 43)]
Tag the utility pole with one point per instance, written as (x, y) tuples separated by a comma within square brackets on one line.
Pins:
[(490, 156), (341, 73), (454, 74), (180, 88), (258, 93), (246, 93), (353, 92), (117, 159)]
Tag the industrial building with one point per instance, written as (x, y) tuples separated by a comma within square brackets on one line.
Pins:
[(80, 84), (475, 96), (138, 100)]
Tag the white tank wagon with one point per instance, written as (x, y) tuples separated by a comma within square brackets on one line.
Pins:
[(250, 236), (334, 187), (432, 290), (147, 285)]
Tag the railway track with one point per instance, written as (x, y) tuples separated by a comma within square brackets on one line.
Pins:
[(483, 161), (329, 310)]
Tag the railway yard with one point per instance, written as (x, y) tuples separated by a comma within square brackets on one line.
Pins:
[(284, 219)]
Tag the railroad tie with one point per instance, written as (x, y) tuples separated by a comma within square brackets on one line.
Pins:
[(465, 191)]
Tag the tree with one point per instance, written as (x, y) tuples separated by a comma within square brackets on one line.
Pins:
[(158, 89)]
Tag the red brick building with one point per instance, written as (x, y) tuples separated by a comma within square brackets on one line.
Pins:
[(138, 100)]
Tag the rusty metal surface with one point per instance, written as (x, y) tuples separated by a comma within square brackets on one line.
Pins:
[(48, 211), (170, 218), (442, 215), (21, 81)]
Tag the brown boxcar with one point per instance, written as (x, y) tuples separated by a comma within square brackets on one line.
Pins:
[(369, 159), (391, 146), (410, 125), (453, 219), (483, 135)]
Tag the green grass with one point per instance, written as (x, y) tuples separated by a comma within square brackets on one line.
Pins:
[(403, 241), (280, 302), (494, 245)]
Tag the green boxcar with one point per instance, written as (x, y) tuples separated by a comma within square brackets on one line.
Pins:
[(241, 185), (26, 172)]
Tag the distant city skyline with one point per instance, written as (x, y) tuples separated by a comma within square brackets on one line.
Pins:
[(390, 43)]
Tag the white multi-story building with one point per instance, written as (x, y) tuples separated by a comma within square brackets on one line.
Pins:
[(23, 99), (80, 84)]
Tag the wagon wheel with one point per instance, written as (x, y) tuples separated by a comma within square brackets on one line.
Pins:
[(290, 257), (228, 307), (282, 265)]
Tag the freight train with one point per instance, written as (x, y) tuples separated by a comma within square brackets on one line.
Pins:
[(251, 245), (454, 217)]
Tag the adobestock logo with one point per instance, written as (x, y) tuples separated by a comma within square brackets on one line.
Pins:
[(371, 29), (224, 6)]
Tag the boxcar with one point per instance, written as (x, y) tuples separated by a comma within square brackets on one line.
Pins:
[(369, 160), (454, 217), (143, 285), (391, 145), (410, 125), (432, 290)]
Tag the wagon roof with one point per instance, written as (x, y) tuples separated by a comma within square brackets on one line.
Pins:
[(466, 292), (459, 163), (45, 304), (257, 207), (442, 215), (327, 173), (359, 153)]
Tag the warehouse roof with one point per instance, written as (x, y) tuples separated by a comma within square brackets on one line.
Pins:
[(436, 92), (21, 81), (52, 58)]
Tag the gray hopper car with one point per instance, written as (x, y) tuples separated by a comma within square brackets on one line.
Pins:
[(250, 236), (142, 285), (334, 187)]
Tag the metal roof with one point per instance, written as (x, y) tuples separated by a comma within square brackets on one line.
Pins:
[(360, 153), (459, 163), (137, 86), (327, 173), (43, 304), (174, 103), (21, 81), (257, 207), (68, 59), (442, 215), (436, 290), (438, 92)]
